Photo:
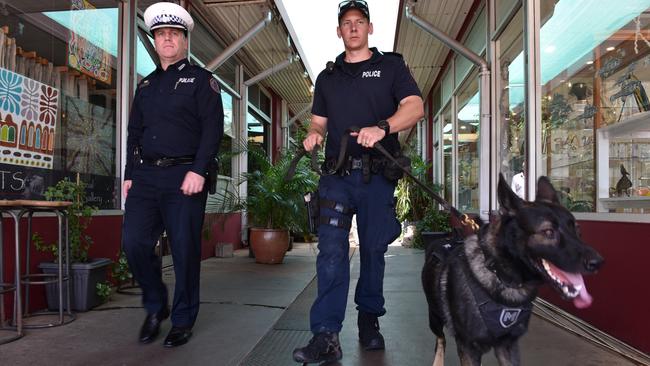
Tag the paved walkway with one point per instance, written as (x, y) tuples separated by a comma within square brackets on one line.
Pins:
[(253, 314), (405, 327)]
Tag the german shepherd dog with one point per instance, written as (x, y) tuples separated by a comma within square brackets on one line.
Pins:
[(482, 290)]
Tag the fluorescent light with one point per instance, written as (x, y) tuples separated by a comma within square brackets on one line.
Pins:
[(590, 62), (610, 48)]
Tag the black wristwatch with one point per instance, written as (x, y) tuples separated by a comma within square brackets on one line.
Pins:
[(383, 124)]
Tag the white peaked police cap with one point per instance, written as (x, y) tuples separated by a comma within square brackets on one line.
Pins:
[(167, 15)]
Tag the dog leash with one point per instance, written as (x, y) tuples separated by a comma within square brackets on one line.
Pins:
[(469, 226)]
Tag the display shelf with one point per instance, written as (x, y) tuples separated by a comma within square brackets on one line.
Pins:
[(567, 165), (625, 202), (623, 143), (633, 127)]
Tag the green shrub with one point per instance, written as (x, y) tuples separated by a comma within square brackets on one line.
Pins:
[(434, 220), (79, 217)]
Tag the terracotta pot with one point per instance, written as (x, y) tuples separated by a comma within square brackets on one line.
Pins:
[(269, 245)]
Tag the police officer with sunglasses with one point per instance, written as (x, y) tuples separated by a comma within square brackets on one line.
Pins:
[(376, 92)]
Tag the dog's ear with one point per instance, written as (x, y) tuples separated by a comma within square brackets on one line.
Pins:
[(509, 201), (545, 191)]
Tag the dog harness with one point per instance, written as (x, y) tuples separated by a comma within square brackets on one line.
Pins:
[(501, 320)]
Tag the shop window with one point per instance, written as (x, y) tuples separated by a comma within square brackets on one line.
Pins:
[(205, 48), (447, 152), (595, 68), (447, 86), (503, 8), (227, 101), (145, 62), (265, 103), (254, 96), (58, 89), (436, 100), (226, 147), (510, 73), (258, 136), (468, 147), (475, 41), (437, 150)]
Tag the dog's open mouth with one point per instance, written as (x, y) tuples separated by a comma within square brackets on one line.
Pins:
[(571, 285)]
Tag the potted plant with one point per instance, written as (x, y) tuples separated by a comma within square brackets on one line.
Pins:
[(85, 272), (433, 226), (412, 201), (275, 204)]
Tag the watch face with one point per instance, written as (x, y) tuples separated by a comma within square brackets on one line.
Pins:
[(383, 124)]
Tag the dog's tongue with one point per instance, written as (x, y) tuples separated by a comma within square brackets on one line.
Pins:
[(583, 300)]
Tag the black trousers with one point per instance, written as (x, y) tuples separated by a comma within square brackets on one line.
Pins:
[(155, 203)]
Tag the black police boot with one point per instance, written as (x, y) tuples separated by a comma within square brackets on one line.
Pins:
[(323, 347), (369, 335)]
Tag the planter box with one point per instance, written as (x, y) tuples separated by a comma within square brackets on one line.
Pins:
[(223, 250), (84, 278)]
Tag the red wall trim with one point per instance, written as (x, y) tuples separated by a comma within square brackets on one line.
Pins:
[(621, 299), (106, 232)]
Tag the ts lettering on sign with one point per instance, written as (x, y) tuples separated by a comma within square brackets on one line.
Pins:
[(371, 74)]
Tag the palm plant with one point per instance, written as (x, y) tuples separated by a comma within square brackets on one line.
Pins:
[(274, 202), (412, 200)]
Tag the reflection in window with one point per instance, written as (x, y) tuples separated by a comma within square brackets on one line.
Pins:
[(594, 95), (226, 148), (58, 89), (468, 150), (144, 63), (512, 139), (258, 136)]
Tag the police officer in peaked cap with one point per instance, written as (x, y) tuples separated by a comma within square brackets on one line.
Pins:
[(174, 131), (375, 92)]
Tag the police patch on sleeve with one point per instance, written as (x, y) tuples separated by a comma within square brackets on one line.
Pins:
[(214, 84)]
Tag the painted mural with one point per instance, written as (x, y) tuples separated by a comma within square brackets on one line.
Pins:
[(83, 55), (28, 111)]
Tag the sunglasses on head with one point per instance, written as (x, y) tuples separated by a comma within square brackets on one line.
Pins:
[(347, 4)]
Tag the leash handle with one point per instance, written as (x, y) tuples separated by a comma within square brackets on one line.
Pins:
[(314, 160)]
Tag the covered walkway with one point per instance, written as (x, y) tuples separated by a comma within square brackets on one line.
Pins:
[(253, 314)]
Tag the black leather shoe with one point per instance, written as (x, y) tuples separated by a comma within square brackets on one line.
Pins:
[(369, 335), (323, 347), (151, 325), (177, 336)]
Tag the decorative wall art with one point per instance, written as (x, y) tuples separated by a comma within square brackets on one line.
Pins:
[(28, 111)]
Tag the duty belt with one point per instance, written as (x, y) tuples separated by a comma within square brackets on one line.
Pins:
[(168, 161), (356, 163)]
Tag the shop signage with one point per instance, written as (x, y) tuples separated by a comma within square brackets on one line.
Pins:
[(31, 183)]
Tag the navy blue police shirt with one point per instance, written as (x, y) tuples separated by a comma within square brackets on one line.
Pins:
[(176, 112), (361, 98)]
